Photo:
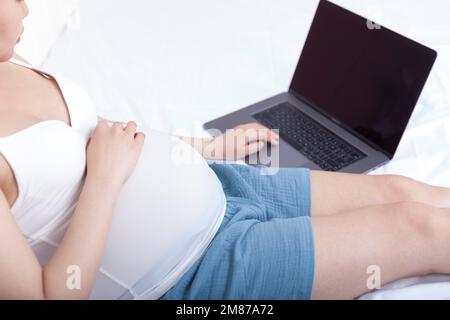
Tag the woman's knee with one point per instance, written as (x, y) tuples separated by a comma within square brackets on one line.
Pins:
[(398, 188), (416, 219)]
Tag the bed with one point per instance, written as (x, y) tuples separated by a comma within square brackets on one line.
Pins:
[(172, 65)]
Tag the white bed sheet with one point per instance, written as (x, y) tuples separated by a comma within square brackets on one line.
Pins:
[(172, 65)]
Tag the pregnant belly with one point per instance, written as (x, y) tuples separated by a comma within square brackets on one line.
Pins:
[(172, 199)]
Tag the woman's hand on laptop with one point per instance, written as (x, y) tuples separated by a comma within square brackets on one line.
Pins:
[(235, 144)]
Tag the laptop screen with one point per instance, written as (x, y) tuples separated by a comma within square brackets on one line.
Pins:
[(362, 75)]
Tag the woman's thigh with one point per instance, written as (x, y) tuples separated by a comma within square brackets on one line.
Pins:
[(334, 192), (376, 244)]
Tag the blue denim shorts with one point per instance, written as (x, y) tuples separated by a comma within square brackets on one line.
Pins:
[(264, 248)]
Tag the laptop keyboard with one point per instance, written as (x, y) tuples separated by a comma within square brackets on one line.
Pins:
[(310, 138)]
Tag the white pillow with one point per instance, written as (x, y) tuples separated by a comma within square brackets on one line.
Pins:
[(47, 20)]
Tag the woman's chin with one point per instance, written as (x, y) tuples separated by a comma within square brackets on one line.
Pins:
[(5, 55)]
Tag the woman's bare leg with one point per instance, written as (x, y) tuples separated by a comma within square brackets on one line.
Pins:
[(401, 239), (333, 192)]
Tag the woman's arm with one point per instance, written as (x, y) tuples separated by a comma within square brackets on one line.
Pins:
[(83, 244), (234, 144), (21, 275), (20, 271), (199, 144)]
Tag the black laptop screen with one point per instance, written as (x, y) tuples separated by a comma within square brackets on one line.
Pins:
[(366, 78)]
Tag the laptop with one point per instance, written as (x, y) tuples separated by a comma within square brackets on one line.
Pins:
[(350, 100)]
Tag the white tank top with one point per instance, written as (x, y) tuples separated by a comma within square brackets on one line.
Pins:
[(166, 214)]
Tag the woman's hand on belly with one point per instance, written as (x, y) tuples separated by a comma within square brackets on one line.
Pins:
[(234, 144), (113, 151)]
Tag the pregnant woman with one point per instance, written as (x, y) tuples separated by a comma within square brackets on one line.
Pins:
[(100, 211)]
